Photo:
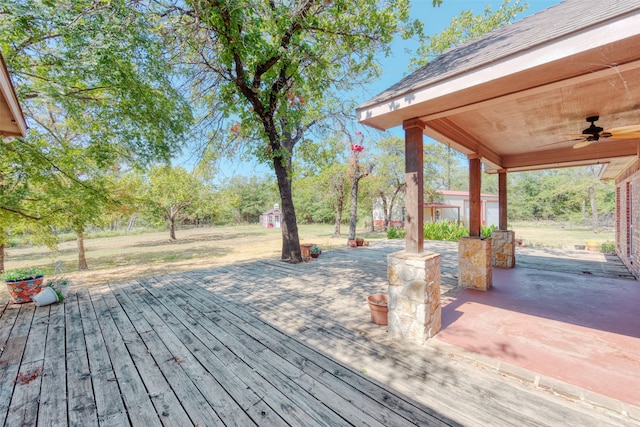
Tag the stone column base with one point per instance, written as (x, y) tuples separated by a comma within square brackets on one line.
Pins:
[(414, 295), (474, 263), (504, 249)]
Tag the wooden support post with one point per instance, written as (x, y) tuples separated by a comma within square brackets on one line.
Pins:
[(475, 183), (414, 204), (502, 200)]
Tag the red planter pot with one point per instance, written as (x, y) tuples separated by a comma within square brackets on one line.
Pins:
[(21, 291)]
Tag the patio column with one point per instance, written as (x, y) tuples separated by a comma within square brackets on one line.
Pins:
[(503, 246), (474, 252), (414, 275), (414, 204), (502, 199), (475, 183)]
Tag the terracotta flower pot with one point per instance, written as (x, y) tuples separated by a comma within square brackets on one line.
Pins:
[(352, 243), (304, 248), (379, 308)]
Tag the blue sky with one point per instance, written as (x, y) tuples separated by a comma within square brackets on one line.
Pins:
[(395, 67)]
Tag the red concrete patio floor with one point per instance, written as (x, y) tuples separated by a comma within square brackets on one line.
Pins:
[(580, 329)]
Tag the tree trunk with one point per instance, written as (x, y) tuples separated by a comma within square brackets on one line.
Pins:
[(373, 227), (172, 228), (385, 211), (289, 225), (132, 223), (339, 208), (594, 208), (353, 218), (82, 258), (2, 246)]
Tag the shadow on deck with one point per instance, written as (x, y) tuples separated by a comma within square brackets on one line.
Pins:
[(259, 343)]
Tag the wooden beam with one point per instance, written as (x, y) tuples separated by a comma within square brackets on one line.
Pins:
[(414, 204), (475, 183), (502, 200), (446, 129), (599, 150)]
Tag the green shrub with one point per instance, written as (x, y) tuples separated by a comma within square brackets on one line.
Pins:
[(442, 230), (23, 274), (486, 231), (445, 230), (607, 247), (396, 233)]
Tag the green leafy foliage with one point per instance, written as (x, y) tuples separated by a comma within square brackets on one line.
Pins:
[(23, 274), (445, 230), (608, 247), (170, 193), (273, 71), (396, 233), (485, 231)]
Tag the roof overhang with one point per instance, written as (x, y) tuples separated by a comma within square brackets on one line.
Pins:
[(511, 95), (12, 121)]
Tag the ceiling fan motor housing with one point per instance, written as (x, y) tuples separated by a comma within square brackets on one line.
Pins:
[(593, 130)]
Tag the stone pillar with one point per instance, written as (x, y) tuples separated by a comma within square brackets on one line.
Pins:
[(474, 263), (414, 295), (504, 249)]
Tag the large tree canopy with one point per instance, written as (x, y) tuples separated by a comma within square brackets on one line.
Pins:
[(274, 69), (99, 67)]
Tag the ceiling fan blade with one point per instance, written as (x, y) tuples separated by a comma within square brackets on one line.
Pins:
[(565, 140), (623, 129), (628, 135), (583, 143)]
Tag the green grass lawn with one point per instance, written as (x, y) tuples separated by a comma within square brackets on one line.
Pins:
[(121, 257), (548, 235)]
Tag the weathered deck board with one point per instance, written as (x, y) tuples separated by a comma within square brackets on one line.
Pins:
[(168, 407), (169, 355), (367, 397), (53, 402), (133, 392), (283, 405), (109, 404), (12, 358), (262, 343), (81, 401), (262, 358), (27, 387)]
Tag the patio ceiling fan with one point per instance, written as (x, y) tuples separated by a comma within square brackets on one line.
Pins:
[(593, 133)]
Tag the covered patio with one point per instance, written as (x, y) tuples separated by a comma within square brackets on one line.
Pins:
[(559, 88), (270, 343)]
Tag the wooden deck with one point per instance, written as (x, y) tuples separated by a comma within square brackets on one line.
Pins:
[(261, 343)]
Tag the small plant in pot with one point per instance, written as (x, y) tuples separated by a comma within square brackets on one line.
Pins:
[(315, 251), (23, 283)]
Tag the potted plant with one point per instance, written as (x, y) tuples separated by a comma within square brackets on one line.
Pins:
[(359, 241), (23, 283), (379, 309), (55, 291), (305, 249), (315, 251)]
